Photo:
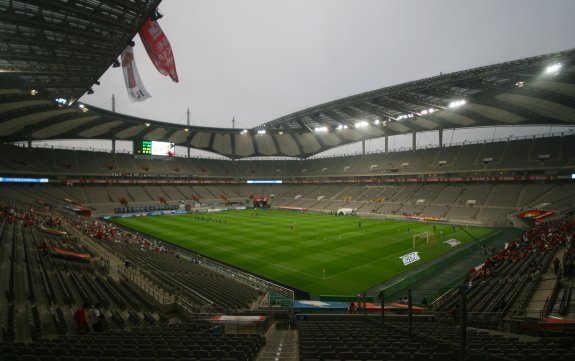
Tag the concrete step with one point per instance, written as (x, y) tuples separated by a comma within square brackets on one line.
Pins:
[(544, 289), (281, 345)]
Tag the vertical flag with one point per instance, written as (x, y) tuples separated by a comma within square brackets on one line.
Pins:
[(134, 84), (158, 48)]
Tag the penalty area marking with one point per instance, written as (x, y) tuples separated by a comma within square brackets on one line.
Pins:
[(364, 265)]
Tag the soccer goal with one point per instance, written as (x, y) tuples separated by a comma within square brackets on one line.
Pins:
[(425, 239)]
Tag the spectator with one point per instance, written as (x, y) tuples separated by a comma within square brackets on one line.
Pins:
[(100, 324), (351, 309), (80, 318), (455, 313), (556, 265)]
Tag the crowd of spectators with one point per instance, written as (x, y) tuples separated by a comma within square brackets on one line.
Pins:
[(108, 232), (28, 217), (539, 239)]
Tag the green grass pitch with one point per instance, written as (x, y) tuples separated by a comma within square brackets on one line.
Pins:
[(295, 248)]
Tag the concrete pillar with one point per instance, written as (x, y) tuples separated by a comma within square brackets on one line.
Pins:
[(414, 142), (386, 144), (440, 137)]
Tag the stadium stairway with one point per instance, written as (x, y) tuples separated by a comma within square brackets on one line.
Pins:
[(544, 289), (281, 345)]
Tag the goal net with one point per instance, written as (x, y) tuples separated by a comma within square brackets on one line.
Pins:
[(425, 239)]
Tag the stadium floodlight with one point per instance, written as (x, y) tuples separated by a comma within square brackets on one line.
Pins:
[(405, 116), (427, 111), (457, 103), (376, 121), (186, 129), (553, 68), (361, 124), (244, 131), (342, 126), (261, 132), (157, 15), (321, 129), (61, 101)]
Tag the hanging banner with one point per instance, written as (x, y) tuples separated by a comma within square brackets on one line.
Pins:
[(136, 90), (158, 48)]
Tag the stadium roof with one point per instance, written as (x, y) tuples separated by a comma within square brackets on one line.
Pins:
[(58, 50)]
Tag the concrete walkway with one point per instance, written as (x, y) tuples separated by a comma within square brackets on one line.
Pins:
[(544, 289), (281, 345)]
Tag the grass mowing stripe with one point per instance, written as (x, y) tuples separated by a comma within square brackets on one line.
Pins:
[(295, 248)]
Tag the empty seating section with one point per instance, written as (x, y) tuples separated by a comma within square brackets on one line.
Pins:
[(503, 195), (97, 195), (466, 157), (547, 150), (506, 155), (77, 194), (448, 195), (172, 193), (466, 202), (42, 288), (446, 158), (155, 193), (516, 154), (139, 195), (21, 161), (182, 342), (324, 338), (427, 159), (461, 214), (118, 192), (560, 197), (491, 155), (176, 271), (567, 153), (485, 214)]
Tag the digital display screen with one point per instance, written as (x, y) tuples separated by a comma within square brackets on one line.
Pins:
[(152, 147), (258, 181), (23, 180), (163, 148)]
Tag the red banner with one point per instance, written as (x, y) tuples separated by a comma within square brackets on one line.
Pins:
[(158, 48)]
